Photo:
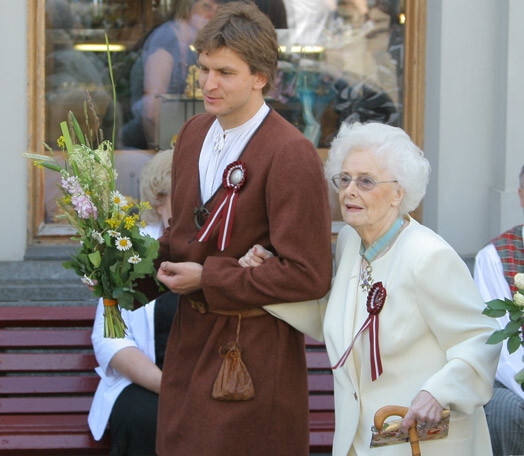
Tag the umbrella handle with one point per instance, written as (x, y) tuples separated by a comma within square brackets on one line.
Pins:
[(396, 410)]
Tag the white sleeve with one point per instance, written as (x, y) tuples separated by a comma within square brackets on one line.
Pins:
[(489, 277), (105, 348), (452, 307)]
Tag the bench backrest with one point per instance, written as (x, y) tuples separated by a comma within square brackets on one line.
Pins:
[(47, 368)]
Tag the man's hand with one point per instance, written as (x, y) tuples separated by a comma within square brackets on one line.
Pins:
[(181, 278), (425, 410), (255, 256)]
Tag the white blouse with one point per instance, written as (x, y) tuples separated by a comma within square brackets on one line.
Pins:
[(222, 147)]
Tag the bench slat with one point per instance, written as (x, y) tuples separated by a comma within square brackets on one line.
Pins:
[(320, 382), (58, 443), (81, 384), (317, 361), (14, 316), (61, 404), (47, 362), (45, 338), (322, 421), (321, 441), (321, 403)]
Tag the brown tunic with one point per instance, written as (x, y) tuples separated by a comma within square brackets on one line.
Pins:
[(284, 207)]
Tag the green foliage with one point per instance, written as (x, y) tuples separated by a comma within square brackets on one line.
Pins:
[(513, 330)]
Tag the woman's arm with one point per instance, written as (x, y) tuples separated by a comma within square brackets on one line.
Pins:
[(137, 367), (452, 308)]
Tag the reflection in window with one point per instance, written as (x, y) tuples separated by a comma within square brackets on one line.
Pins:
[(342, 60)]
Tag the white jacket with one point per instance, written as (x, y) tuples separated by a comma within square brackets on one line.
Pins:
[(432, 336)]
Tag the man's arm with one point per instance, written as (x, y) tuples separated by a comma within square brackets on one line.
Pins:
[(300, 235)]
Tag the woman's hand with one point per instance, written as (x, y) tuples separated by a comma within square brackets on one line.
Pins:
[(255, 256), (425, 410)]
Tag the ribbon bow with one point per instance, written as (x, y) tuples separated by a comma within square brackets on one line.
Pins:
[(233, 180), (375, 302)]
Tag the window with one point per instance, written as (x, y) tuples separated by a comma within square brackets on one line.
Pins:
[(341, 60)]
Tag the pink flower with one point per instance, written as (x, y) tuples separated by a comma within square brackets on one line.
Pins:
[(84, 206)]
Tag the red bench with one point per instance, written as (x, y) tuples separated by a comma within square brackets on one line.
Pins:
[(47, 382)]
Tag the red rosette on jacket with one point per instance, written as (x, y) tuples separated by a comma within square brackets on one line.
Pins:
[(375, 302), (233, 180)]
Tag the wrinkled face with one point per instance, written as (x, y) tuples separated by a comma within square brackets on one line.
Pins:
[(371, 213), (202, 12), (230, 91)]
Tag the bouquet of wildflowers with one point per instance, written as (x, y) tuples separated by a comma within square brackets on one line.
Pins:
[(513, 331), (113, 253)]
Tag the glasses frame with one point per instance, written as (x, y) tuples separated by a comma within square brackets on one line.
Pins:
[(357, 180)]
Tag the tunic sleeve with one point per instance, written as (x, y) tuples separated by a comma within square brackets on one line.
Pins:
[(452, 307), (300, 235)]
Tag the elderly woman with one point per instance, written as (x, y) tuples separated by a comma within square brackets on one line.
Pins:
[(429, 351)]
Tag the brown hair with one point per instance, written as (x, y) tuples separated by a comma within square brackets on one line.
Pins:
[(243, 28)]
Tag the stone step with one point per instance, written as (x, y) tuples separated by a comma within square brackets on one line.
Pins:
[(36, 292)]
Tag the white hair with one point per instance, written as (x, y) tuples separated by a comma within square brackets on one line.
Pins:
[(394, 152)]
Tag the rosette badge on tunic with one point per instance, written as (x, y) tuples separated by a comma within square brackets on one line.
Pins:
[(234, 179)]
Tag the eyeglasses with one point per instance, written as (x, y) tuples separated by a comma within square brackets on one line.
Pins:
[(364, 183)]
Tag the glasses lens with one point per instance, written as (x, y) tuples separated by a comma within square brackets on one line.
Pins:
[(366, 183)]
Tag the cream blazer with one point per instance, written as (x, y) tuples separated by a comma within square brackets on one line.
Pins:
[(432, 337)]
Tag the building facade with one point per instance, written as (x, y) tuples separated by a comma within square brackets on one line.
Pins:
[(471, 128)]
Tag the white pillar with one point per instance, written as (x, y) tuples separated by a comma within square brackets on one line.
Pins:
[(464, 62), (13, 130), (508, 156)]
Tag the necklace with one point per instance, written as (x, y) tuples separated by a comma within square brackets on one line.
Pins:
[(376, 249), (366, 281)]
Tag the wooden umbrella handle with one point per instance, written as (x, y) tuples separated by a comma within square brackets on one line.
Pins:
[(397, 410)]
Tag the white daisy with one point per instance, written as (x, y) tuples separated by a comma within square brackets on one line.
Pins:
[(134, 259), (87, 281), (118, 199), (97, 237), (113, 233), (123, 243)]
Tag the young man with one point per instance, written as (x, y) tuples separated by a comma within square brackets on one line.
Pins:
[(277, 198)]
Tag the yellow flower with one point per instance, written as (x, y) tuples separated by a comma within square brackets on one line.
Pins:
[(66, 199), (38, 164), (113, 222), (129, 222), (145, 205), (61, 142), (143, 224)]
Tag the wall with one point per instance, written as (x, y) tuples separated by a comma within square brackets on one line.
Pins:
[(13, 129), (473, 63)]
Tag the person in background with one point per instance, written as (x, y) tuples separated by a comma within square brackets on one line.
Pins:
[(280, 202), (495, 266), (162, 67), (130, 369), (429, 351)]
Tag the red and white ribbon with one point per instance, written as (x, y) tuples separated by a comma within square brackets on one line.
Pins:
[(233, 180), (375, 302)]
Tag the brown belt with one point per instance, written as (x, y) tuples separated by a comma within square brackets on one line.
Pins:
[(200, 307)]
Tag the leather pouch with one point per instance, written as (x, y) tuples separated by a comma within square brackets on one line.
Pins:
[(233, 382)]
